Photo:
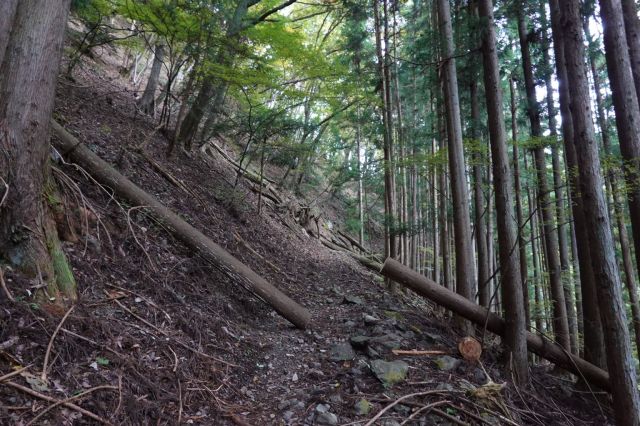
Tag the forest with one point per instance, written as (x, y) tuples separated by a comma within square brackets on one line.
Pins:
[(319, 212)]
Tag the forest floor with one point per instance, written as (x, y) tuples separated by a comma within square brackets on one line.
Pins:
[(159, 336)]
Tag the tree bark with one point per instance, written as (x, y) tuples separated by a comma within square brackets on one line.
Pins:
[(461, 221), (626, 402), (511, 280), (481, 316), (31, 41), (220, 258), (550, 237), (147, 103), (621, 53), (522, 244)]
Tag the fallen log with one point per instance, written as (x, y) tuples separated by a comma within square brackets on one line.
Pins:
[(481, 316), (365, 261), (104, 173)]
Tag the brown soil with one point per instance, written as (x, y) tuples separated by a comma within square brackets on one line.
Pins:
[(180, 343)]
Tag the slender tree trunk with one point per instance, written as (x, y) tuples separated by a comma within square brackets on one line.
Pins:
[(478, 199), (31, 41), (626, 402), (461, 222), (592, 327), (617, 205), (390, 241), (513, 302), (625, 99), (560, 321), (522, 245), (147, 103)]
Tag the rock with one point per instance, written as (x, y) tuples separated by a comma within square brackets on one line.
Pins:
[(447, 363), (389, 341), (372, 353), (349, 324), (354, 300), (328, 419), (402, 409), (394, 315), (359, 342), (341, 352), (322, 408), (445, 387), (389, 373), (371, 320), (362, 407), (389, 422), (288, 416)]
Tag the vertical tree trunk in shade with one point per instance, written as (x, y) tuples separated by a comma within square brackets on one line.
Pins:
[(618, 204), (478, 201), (390, 241), (522, 245), (31, 41), (632, 32), (461, 221), (563, 244), (533, 225), (622, 53), (550, 236), (626, 402), (591, 324), (147, 103), (442, 204), (360, 185), (511, 283), (435, 197)]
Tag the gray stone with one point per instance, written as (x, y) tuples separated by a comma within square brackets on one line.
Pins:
[(359, 342), (447, 363), (322, 408), (341, 352), (389, 341), (371, 320), (389, 373), (354, 300), (372, 353), (328, 419), (362, 407), (288, 416)]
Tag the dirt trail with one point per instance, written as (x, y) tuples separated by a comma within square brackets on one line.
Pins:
[(182, 344)]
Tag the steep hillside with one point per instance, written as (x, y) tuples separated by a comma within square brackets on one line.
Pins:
[(160, 336)]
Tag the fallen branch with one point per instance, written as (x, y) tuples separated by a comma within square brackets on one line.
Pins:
[(71, 398), (50, 345), (66, 404), (398, 401), (481, 316), (3, 284), (241, 274), (417, 352)]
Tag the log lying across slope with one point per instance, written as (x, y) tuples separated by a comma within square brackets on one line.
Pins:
[(481, 316), (100, 170)]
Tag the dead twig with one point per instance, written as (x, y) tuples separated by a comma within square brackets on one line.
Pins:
[(416, 352), (146, 253), (13, 373), (180, 402), (421, 409), (164, 333), (63, 401), (398, 401), (50, 399), (449, 417), (5, 288), (117, 410), (53, 337), (6, 191)]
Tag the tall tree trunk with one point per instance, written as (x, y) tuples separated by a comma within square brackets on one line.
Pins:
[(511, 283), (617, 205), (31, 41), (522, 245), (461, 221), (612, 309), (147, 103), (390, 240), (563, 244), (550, 237), (625, 99), (591, 324), (478, 201)]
